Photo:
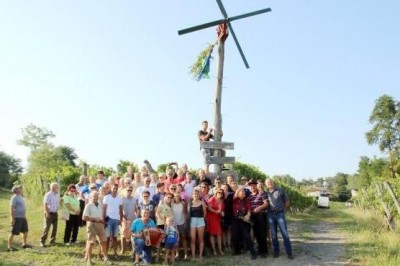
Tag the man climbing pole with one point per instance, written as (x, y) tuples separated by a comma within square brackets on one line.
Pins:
[(205, 134)]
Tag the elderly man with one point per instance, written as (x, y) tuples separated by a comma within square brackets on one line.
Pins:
[(19, 223), (137, 227), (51, 203), (278, 202), (93, 215), (258, 203)]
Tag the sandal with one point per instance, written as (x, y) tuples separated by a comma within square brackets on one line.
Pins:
[(11, 249)]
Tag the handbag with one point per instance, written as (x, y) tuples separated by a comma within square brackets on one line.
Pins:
[(64, 214)]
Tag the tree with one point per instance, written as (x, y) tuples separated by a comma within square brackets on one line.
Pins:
[(385, 132), (286, 179), (370, 170), (48, 163), (340, 187), (34, 137), (10, 169)]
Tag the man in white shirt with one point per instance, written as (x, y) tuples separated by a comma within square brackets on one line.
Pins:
[(112, 214), (145, 187)]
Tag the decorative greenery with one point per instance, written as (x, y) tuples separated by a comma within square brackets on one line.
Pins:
[(197, 68)]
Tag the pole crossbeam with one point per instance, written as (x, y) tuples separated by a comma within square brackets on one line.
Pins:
[(228, 21), (225, 25)]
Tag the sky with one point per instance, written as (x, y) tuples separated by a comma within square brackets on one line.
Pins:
[(110, 79)]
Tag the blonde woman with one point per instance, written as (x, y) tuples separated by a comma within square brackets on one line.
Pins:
[(179, 210), (197, 212)]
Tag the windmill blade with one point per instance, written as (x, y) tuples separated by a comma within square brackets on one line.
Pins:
[(202, 26), (250, 14), (222, 8), (238, 45)]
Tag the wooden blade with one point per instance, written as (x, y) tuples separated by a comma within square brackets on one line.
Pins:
[(250, 14), (222, 8), (202, 26), (238, 45)]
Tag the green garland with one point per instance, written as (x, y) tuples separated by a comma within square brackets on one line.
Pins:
[(197, 67)]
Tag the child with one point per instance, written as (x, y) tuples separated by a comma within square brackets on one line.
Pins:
[(171, 240)]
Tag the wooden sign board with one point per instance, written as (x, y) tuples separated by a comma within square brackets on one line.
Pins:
[(222, 160), (217, 145)]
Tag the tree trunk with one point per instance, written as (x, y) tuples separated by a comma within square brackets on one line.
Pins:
[(217, 103)]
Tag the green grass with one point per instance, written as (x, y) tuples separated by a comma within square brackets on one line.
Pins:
[(367, 243)]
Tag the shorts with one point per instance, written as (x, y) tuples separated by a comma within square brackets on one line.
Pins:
[(20, 226), (206, 155), (112, 228), (95, 230), (181, 229), (126, 228), (170, 246), (196, 222)]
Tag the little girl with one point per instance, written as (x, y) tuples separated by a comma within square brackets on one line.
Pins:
[(171, 240)]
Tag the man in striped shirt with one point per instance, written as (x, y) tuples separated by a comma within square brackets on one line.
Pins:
[(258, 203)]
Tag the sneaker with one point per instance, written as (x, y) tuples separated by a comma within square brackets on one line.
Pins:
[(67, 244), (264, 255), (276, 255), (26, 246), (42, 245), (290, 257), (253, 257), (11, 249)]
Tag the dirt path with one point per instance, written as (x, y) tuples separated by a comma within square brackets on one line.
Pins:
[(313, 244), (320, 244)]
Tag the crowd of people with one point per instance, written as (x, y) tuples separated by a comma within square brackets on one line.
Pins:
[(197, 215)]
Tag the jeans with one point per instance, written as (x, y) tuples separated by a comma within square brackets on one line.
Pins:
[(141, 248), (276, 219)]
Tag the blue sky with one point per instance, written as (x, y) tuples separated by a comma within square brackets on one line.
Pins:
[(110, 78)]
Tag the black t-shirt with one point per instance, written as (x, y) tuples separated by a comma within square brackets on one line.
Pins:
[(204, 133)]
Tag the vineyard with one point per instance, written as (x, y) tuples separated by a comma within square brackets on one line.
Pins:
[(381, 199)]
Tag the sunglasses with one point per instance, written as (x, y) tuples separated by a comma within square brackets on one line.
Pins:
[(129, 190), (172, 188)]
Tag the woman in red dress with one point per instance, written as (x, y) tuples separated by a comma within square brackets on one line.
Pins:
[(215, 211)]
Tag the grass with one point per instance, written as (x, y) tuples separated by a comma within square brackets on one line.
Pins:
[(367, 243)]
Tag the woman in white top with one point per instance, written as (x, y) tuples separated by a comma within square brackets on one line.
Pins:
[(179, 209)]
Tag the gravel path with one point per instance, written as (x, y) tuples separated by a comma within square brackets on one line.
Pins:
[(316, 244)]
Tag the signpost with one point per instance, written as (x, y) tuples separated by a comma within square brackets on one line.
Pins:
[(224, 26)]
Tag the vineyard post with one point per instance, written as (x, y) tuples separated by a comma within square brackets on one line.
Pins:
[(396, 202), (388, 217)]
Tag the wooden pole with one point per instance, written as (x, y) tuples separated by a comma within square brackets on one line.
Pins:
[(217, 102)]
